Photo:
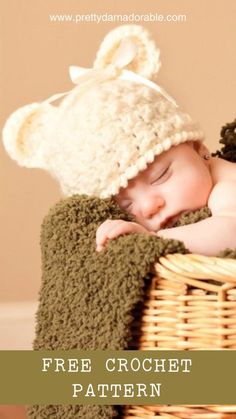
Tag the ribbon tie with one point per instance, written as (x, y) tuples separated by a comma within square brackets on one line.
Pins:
[(122, 57)]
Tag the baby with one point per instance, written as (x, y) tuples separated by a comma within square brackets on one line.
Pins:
[(118, 134), (184, 178)]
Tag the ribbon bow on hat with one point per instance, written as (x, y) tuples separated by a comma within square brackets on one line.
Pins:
[(123, 56)]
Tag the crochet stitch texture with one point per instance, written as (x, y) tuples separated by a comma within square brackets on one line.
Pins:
[(109, 127)]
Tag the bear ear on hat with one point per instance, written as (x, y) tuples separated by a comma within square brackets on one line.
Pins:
[(130, 47), (26, 134)]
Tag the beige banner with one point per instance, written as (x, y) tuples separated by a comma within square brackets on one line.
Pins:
[(118, 377)]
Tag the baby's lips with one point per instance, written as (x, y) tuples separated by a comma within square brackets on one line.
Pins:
[(170, 221)]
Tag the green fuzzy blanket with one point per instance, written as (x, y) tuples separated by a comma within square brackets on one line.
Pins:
[(87, 298)]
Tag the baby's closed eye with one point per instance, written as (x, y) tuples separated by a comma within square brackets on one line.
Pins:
[(128, 206), (162, 176)]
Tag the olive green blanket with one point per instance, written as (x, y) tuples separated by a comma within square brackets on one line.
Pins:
[(87, 298)]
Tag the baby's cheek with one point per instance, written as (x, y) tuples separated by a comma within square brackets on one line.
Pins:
[(198, 191), (192, 191)]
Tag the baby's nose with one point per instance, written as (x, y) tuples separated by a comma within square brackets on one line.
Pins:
[(151, 205)]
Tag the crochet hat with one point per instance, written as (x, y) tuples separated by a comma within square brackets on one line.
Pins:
[(109, 127)]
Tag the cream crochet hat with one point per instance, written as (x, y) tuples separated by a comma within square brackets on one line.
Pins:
[(109, 127)]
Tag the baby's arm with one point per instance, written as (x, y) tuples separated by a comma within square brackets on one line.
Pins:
[(213, 234), (207, 237)]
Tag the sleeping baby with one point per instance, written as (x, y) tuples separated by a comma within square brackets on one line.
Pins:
[(184, 178), (118, 134)]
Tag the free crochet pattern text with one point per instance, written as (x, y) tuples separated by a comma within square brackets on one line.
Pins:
[(157, 365)]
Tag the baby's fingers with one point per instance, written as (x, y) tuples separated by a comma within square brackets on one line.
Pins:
[(124, 228), (103, 230), (115, 229)]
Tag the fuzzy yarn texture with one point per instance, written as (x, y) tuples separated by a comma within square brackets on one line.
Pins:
[(228, 139), (87, 298)]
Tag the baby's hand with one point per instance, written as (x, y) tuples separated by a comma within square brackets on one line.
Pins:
[(111, 229)]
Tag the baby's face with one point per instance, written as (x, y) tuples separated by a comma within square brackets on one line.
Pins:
[(178, 180)]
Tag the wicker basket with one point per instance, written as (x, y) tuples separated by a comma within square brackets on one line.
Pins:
[(190, 304)]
